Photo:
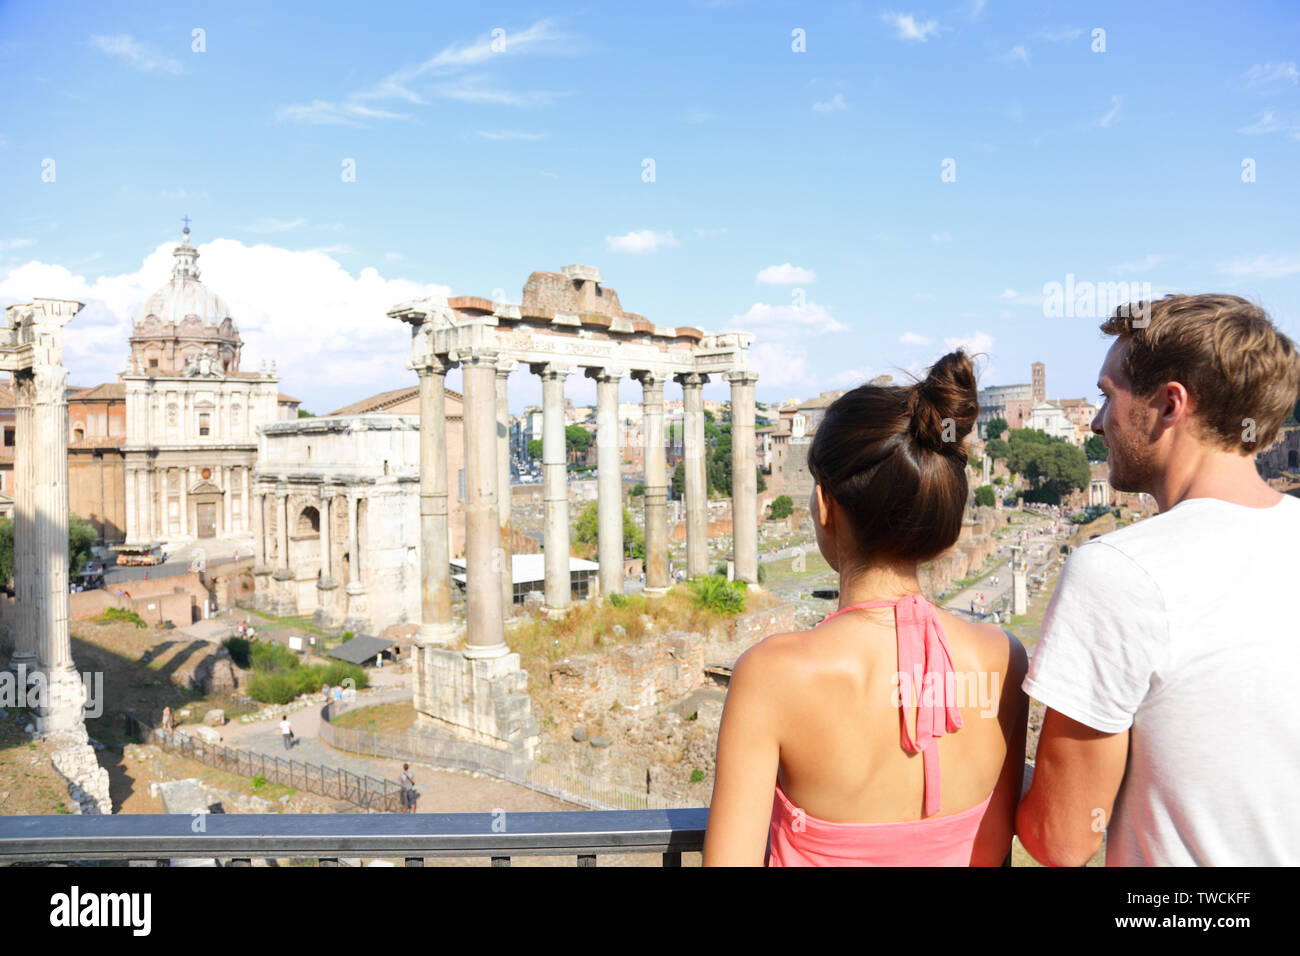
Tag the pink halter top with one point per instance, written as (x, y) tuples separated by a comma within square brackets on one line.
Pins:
[(925, 677)]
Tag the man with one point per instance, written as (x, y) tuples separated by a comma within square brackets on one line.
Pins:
[(286, 731), (409, 795), (1169, 650)]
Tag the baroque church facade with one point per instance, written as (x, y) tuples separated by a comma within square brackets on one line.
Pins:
[(192, 415)]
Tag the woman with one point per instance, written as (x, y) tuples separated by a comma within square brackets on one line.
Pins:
[(816, 716)]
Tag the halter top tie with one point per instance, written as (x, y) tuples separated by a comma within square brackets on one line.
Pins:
[(925, 678)]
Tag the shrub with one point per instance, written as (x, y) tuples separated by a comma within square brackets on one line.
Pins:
[(762, 573), (984, 496), (638, 490), (618, 600), (122, 614), (719, 595), (268, 657), (239, 651), (697, 775)]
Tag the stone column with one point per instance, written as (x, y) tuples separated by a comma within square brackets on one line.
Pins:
[(129, 494), (656, 484), (609, 482), (436, 626), (504, 560), (26, 572), (485, 637), (226, 494), (183, 476), (45, 532), (150, 502), (697, 488), (555, 490), (244, 503), (357, 620), (744, 476), (262, 596), (325, 584), (285, 597)]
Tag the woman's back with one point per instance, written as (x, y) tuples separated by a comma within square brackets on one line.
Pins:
[(844, 758)]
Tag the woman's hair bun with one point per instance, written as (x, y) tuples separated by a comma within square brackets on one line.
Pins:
[(945, 405)]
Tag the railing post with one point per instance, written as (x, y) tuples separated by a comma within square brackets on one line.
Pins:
[(500, 861), (586, 859), (673, 858), (415, 861)]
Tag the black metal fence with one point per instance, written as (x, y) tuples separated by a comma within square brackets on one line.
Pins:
[(364, 791)]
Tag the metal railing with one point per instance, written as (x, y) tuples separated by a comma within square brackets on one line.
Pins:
[(572, 785), (238, 839), (361, 790)]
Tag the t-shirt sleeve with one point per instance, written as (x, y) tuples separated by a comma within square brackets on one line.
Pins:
[(1104, 635)]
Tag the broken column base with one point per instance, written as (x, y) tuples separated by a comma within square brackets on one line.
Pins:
[(284, 599), (261, 588), (484, 700), (74, 758), (325, 616)]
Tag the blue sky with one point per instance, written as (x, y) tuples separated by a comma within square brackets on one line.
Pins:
[(798, 195)]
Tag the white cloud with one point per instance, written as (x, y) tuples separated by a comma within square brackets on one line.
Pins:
[(909, 29), (1117, 101), (270, 224), (326, 328), (1263, 267), (136, 54), (1017, 54), (639, 242), (911, 338), (1145, 264), (786, 274), (1012, 297), (971, 342), (788, 321), (510, 135), (835, 103), (1270, 122), (442, 76), (1267, 77), (1059, 36), (778, 364)]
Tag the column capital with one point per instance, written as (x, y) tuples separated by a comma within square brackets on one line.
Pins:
[(605, 374), (477, 356), (650, 379), (549, 371), (691, 379), (505, 366), (741, 376), (432, 365), (281, 491)]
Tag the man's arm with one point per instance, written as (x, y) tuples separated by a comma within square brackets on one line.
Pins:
[(1076, 778), (749, 755)]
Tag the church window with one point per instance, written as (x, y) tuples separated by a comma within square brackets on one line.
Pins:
[(9, 438), (205, 423), (153, 363)]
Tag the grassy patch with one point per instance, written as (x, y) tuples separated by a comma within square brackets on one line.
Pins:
[(393, 718), (113, 614)]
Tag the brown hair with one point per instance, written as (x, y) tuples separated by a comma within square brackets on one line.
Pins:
[(1225, 351), (894, 458)]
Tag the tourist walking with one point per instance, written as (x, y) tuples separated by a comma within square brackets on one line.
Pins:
[(1169, 650), (810, 764), (167, 719), (409, 793), (286, 731)]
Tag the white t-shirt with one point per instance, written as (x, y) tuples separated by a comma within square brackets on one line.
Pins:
[(285, 728), (1184, 628)]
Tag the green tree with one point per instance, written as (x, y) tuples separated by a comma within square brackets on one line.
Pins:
[(576, 438), (1053, 468), (995, 427), (782, 507), (303, 413), (997, 449), (1094, 446), (984, 496), (81, 541), (587, 531), (534, 448), (638, 490)]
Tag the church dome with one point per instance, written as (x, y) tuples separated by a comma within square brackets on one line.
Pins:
[(185, 320)]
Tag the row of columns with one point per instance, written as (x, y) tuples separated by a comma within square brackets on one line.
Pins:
[(148, 515), (489, 582)]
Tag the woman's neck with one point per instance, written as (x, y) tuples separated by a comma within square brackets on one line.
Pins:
[(877, 583)]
